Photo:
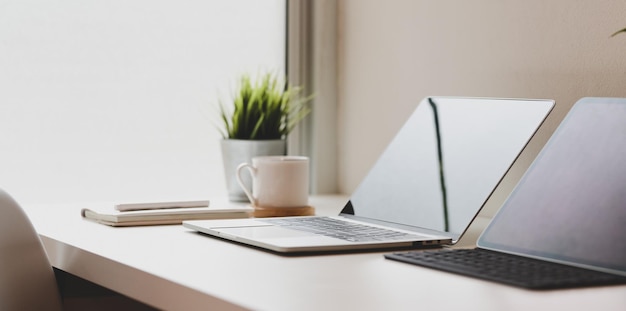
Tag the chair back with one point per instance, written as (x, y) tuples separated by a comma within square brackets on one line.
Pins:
[(27, 280)]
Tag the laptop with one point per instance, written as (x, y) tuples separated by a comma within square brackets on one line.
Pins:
[(566, 218), (424, 190)]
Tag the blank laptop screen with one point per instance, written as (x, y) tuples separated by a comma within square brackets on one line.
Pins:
[(570, 206), (445, 161)]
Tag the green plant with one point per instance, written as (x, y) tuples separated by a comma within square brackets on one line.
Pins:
[(266, 109)]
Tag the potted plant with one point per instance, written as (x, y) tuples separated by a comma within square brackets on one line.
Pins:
[(257, 122)]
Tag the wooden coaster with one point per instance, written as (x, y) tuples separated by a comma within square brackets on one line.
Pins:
[(283, 211)]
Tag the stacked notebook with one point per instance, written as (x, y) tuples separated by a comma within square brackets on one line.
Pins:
[(139, 214)]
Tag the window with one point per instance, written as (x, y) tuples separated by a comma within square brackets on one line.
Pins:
[(116, 100)]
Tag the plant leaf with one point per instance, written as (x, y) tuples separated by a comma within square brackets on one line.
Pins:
[(265, 109), (617, 32)]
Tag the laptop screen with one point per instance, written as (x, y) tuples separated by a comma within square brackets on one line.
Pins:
[(445, 161), (570, 206)]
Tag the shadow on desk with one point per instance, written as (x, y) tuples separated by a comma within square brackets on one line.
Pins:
[(80, 294)]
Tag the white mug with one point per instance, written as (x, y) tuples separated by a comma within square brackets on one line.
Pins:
[(277, 181)]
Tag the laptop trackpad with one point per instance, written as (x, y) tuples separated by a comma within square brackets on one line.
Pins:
[(278, 236)]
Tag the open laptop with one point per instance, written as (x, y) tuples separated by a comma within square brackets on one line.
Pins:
[(424, 190), (566, 218)]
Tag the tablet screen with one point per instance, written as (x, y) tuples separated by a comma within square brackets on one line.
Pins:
[(570, 206)]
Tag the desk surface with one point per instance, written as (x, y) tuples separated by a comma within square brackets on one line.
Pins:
[(173, 268)]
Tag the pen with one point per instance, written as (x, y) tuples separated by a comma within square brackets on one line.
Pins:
[(126, 207)]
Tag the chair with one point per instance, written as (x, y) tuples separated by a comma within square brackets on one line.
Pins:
[(27, 281)]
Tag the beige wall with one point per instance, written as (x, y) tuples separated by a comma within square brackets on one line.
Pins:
[(393, 53)]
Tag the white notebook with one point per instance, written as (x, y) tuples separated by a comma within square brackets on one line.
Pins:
[(108, 215)]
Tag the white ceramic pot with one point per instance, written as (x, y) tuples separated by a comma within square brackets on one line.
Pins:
[(237, 151)]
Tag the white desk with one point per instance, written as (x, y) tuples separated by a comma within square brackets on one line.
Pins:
[(172, 268)]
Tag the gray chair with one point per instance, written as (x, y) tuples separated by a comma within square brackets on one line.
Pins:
[(27, 281)]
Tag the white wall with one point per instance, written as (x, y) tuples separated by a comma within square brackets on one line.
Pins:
[(394, 53), (115, 100)]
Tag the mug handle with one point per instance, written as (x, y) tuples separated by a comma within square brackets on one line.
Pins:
[(240, 181)]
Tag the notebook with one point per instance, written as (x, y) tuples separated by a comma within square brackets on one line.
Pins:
[(424, 190), (107, 215), (568, 212)]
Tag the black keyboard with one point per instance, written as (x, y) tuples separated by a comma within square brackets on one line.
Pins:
[(507, 269), (344, 230)]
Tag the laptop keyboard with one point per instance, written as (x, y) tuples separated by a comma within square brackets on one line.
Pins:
[(344, 230), (508, 269)]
